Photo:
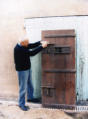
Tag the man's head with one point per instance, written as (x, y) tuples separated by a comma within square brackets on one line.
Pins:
[(24, 41)]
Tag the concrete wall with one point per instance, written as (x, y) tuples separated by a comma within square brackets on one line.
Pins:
[(12, 14)]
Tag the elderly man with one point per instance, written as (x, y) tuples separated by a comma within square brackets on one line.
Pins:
[(22, 53)]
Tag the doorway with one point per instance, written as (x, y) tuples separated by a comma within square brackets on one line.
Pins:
[(59, 68)]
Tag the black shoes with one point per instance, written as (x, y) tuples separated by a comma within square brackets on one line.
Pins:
[(34, 100), (24, 108)]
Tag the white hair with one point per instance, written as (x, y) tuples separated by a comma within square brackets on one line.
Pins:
[(24, 38)]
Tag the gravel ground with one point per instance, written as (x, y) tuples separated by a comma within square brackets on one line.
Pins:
[(14, 112), (10, 110)]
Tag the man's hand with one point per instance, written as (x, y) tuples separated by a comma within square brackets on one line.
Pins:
[(44, 43)]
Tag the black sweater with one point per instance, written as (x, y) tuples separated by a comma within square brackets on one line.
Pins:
[(22, 55)]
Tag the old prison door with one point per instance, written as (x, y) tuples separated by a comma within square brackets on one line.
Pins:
[(58, 68)]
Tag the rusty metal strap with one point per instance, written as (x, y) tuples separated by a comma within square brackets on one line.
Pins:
[(43, 86), (60, 71), (59, 36), (57, 50)]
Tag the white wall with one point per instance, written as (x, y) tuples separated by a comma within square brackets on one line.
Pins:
[(34, 27)]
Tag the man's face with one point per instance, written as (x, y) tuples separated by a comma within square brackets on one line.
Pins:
[(25, 43)]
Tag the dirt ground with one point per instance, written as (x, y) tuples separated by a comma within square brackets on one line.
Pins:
[(12, 111)]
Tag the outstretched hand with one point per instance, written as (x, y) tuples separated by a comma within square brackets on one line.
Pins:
[(44, 43)]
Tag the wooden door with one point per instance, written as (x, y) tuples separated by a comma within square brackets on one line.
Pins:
[(58, 68)]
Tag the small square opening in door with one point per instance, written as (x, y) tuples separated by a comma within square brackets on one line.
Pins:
[(48, 92)]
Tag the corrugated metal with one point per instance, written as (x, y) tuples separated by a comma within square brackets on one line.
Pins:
[(80, 24)]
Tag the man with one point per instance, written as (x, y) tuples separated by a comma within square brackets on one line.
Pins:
[(22, 53)]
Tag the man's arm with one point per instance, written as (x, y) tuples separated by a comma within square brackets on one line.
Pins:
[(35, 51), (34, 45), (38, 49)]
